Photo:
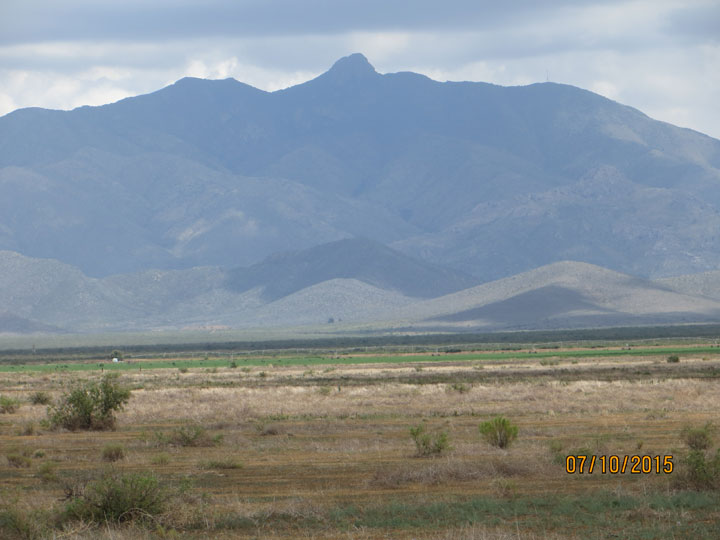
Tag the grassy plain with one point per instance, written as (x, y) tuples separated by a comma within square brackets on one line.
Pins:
[(320, 447)]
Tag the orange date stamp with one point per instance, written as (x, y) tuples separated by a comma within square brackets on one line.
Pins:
[(616, 464)]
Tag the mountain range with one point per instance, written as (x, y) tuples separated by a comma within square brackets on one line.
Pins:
[(356, 196), (347, 285)]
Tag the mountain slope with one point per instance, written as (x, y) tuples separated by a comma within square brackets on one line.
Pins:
[(561, 295), (357, 258), (491, 180), (705, 284)]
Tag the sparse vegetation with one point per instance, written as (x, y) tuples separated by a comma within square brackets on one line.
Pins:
[(499, 432), (357, 442), (673, 359)]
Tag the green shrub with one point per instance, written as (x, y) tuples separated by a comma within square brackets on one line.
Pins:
[(698, 438), (113, 452), (40, 398), (499, 432), (118, 498), (673, 359), (8, 405), (91, 406), (428, 444)]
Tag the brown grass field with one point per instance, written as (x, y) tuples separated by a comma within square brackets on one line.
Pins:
[(326, 453)]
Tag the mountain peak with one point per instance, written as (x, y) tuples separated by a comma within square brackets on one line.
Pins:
[(355, 65)]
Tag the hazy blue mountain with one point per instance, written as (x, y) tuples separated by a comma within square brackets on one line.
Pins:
[(491, 180)]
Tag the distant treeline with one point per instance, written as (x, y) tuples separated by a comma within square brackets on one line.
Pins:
[(374, 343)]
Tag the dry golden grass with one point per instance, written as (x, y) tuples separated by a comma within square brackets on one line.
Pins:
[(306, 447)]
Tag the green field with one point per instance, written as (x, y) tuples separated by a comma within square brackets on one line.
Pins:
[(9, 364)]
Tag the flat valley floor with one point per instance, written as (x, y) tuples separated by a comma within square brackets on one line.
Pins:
[(325, 451)]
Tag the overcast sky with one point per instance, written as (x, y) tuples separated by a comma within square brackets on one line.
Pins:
[(660, 56)]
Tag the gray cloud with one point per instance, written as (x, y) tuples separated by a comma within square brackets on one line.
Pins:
[(698, 23), (82, 20)]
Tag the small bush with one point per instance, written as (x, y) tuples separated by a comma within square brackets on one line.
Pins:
[(460, 388), (113, 452), (23, 524), (160, 459), (183, 370), (701, 472), (40, 398), (698, 438), (190, 435), (118, 498), (220, 464), (701, 469), (8, 405), (91, 406), (27, 430), (673, 359), (429, 444), (499, 432), (47, 472), (18, 461), (549, 362)]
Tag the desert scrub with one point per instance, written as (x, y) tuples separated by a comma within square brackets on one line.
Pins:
[(47, 472), (499, 432), (39, 398), (701, 468), (220, 464), (429, 444), (673, 359), (117, 498), (460, 388), (91, 406), (18, 461), (113, 452), (698, 438), (8, 405), (190, 435), (160, 459)]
